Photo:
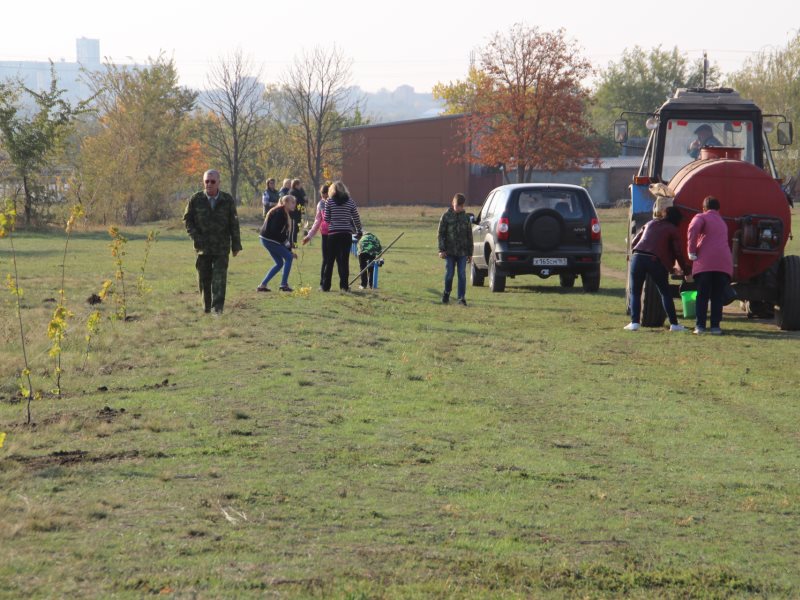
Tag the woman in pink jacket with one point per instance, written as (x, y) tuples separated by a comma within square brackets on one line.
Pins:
[(712, 263), (321, 226)]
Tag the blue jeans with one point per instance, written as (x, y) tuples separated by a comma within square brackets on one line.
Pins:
[(283, 259), (643, 265), (710, 286), (451, 263)]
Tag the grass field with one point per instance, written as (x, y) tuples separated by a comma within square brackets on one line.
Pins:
[(382, 445)]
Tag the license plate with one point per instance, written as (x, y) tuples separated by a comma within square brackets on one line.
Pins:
[(550, 262)]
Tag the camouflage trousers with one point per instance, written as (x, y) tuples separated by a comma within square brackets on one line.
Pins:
[(212, 276)]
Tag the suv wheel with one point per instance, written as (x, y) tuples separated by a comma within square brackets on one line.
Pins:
[(567, 280), (591, 280), (476, 276), (497, 282)]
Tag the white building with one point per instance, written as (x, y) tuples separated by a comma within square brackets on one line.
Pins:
[(35, 75)]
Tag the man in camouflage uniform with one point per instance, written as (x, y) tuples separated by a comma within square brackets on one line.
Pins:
[(213, 225), (455, 246)]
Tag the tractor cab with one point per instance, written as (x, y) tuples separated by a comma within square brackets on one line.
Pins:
[(694, 119)]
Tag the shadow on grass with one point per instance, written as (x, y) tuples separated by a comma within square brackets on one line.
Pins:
[(614, 292)]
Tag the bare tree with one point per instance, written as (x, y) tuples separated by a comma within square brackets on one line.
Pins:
[(319, 102), (236, 100)]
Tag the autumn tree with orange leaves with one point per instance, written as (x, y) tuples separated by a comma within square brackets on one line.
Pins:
[(132, 162), (524, 103)]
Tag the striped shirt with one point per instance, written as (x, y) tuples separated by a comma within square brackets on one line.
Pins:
[(341, 218)]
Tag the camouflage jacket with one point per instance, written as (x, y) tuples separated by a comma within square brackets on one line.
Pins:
[(455, 233), (369, 244), (213, 231)]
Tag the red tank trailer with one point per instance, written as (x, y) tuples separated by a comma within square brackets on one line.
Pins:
[(714, 143)]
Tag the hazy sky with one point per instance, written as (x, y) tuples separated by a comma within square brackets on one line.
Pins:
[(391, 43)]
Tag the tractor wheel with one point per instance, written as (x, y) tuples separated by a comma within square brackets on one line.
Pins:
[(497, 282), (787, 315), (653, 314), (476, 276), (567, 280)]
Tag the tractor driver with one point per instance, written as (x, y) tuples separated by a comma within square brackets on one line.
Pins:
[(705, 137)]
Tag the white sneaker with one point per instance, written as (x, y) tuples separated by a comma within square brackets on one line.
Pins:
[(677, 327), (631, 327)]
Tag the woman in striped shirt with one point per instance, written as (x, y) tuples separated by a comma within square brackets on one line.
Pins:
[(341, 215)]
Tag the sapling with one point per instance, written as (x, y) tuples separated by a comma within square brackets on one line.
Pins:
[(57, 328), (141, 286), (7, 222), (117, 246), (93, 322)]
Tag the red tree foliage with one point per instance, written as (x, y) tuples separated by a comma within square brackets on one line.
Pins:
[(525, 106)]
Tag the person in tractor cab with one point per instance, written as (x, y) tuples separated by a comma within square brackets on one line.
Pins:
[(705, 138)]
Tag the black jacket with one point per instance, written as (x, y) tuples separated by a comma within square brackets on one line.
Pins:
[(276, 227), (299, 195)]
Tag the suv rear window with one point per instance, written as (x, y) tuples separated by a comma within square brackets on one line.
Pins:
[(566, 202)]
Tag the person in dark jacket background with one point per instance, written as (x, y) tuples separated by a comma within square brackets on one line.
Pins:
[(455, 247), (212, 223), (276, 237), (341, 214), (299, 194), (270, 196), (655, 249)]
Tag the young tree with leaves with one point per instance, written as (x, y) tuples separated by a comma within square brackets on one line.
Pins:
[(134, 164), (32, 140)]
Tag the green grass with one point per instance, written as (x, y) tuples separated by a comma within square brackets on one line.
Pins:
[(381, 445)]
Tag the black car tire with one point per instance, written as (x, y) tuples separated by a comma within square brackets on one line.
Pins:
[(544, 230), (476, 276), (497, 282), (591, 280), (653, 314), (566, 280)]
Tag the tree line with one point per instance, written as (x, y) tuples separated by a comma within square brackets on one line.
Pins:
[(135, 149), (132, 152)]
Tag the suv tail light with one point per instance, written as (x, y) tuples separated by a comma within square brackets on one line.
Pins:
[(502, 228), (595, 230)]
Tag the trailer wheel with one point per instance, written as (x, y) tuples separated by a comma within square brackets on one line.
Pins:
[(653, 314), (787, 315), (476, 276)]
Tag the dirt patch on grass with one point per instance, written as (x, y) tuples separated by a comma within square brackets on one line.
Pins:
[(70, 457)]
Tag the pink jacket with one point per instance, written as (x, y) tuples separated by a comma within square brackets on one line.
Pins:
[(319, 221), (708, 239)]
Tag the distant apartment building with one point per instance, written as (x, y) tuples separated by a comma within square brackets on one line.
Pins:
[(35, 75)]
